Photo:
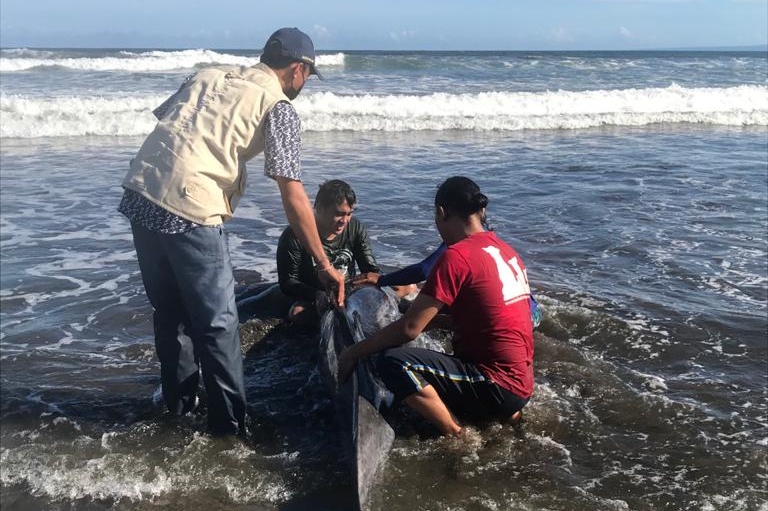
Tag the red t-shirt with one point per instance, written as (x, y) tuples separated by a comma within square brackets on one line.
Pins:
[(484, 282)]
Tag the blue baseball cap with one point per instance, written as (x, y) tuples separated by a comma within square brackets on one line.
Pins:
[(294, 44)]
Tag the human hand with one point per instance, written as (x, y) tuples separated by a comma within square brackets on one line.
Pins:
[(333, 281), (366, 279)]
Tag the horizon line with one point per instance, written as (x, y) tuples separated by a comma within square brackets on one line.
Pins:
[(743, 48)]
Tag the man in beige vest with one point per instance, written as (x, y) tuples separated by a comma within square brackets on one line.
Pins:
[(184, 183)]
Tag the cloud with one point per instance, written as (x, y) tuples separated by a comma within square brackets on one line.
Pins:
[(626, 33), (319, 31), (560, 35), (401, 35), (321, 34)]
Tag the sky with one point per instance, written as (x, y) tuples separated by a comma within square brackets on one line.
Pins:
[(388, 24)]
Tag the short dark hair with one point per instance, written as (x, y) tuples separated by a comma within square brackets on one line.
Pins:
[(460, 195), (277, 61), (334, 192)]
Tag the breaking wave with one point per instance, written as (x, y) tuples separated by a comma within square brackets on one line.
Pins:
[(745, 105), (149, 61)]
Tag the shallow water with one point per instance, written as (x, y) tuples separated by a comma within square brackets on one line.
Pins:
[(649, 262), (645, 244)]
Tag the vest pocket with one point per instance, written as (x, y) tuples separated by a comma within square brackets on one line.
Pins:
[(197, 193)]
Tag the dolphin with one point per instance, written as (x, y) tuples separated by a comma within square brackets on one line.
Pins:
[(366, 435)]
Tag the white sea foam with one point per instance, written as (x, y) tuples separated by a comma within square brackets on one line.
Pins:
[(121, 476), (556, 452), (743, 105), (654, 383), (746, 105), (150, 61)]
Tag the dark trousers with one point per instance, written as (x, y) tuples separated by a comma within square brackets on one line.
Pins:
[(189, 282), (461, 385)]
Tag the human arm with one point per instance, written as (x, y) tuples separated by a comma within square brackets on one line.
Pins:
[(443, 321), (361, 248), (302, 220), (418, 318), (414, 273), (295, 272), (282, 162), (362, 253)]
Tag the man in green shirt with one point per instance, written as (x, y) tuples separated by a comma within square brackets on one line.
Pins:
[(344, 239)]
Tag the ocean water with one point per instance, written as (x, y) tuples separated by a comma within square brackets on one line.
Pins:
[(633, 184)]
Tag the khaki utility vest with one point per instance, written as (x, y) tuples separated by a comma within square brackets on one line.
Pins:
[(193, 162)]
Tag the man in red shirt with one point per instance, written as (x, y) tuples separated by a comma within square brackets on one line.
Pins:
[(483, 283)]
